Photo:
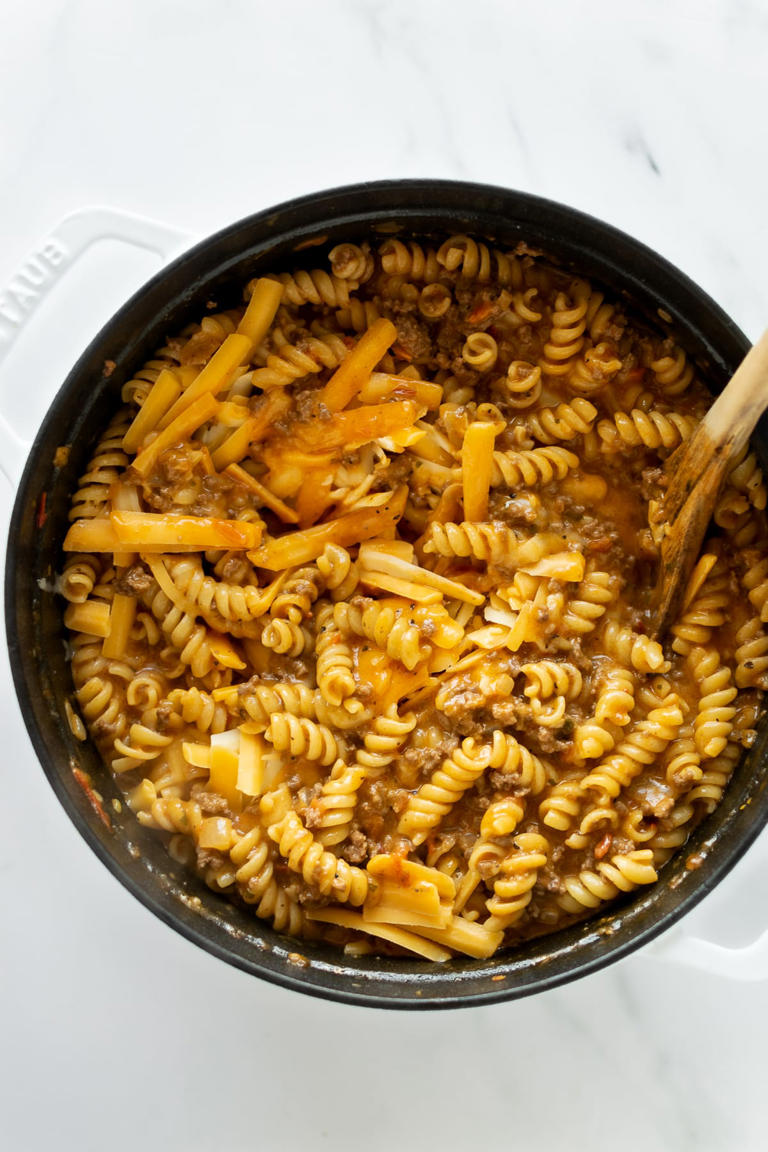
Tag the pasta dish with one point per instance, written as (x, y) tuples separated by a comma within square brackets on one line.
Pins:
[(358, 582)]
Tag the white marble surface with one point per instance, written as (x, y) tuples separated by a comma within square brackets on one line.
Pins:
[(114, 1032)]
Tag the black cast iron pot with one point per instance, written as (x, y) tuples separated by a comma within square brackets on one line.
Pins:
[(217, 269)]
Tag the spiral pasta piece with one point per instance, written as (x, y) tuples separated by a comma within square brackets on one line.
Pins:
[(299, 736), (522, 384), (143, 744), (286, 638), (474, 261), (188, 638), (412, 260), (673, 373), (641, 746), (590, 601), (511, 758), (255, 877), (708, 611), (258, 700), (714, 721), (616, 697), (291, 362), (295, 599), (593, 370), (566, 335), (352, 262), (390, 628), (434, 301), (523, 306), (563, 422), (621, 873), (435, 799), (480, 351), (552, 678), (682, 762), (315, 286), (755, 581), (81, 571), (751, 656), (562, 804), (518, 872), (167, 813), (107, 462), (334, 671), (602, 320), (633, 650), (652, 429), (233, 608), (715, 774), (199, 708), (338, 570), (484, 541), (672, 832), (331, 875), (530, 468)]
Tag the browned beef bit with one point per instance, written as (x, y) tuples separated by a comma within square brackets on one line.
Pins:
[(358, 847), (425, 759), (163, 714), (175, 465), (413, 339), (134, 581), (210, 803), (307, 407)]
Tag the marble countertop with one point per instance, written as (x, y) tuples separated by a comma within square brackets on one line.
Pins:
[(116, 1033)]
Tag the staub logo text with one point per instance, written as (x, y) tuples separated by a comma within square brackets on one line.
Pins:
[(29, 283)]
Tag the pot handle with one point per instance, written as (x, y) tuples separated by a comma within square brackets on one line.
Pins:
[(726, 936), (747, 964), (44, 268)]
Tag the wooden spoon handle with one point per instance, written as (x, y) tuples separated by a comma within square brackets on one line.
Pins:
[(724, 430), (697, 473)]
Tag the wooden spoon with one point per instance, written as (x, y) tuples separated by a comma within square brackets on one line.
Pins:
[(698, 470)]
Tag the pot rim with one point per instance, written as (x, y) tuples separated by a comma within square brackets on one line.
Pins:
[(561, 956)]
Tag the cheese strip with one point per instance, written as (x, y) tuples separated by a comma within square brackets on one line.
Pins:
[(358, 426), (465, 936), (187, 422), (382, 386), (217, 373), (163, 393), (566, 566), (268, 499), (394, 567), (416, 906), (121, 616), (262, 306), (91, 617), (99, 535), (146, 530), (477, 467), (397, 587), (400, 936), (251, 431), (356, 367), (296, 548)]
